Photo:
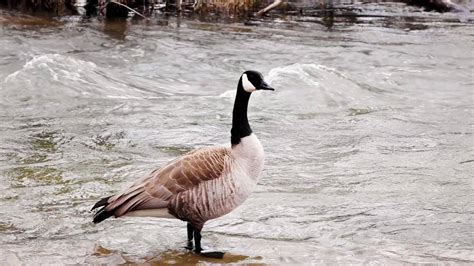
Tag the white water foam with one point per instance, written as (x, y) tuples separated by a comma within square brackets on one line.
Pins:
[(69, 76), (325, 87), (55, 65)]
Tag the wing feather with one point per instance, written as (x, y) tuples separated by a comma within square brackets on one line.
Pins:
[(157, 189)]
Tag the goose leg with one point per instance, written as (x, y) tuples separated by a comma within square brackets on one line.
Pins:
[(197, 241), (190, 245), (198, 248)]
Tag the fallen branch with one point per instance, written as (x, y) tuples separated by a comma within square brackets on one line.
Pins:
[(134, 11), (268, 8)]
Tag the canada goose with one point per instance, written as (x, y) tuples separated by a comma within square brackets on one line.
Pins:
[(203, 184)]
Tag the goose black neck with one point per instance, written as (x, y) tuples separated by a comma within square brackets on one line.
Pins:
[(240, 123)]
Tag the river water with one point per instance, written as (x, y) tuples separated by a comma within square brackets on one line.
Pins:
[(368, 136)]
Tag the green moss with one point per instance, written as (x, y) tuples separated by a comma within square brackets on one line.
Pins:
[(44, 141), (108, 141), (4, 226), (34, 158), (63, 190), (103, 141), (174, 150), (361, 111), (10, 198), (44, 175)]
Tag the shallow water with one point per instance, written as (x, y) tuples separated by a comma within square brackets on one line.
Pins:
[(368, 137)]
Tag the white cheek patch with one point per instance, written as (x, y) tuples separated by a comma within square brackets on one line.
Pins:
[(248, 86)]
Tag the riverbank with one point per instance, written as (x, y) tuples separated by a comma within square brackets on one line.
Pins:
[(231, 9), (397, 15)]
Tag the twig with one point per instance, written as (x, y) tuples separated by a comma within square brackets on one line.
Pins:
[(269, 7), (134, 11)]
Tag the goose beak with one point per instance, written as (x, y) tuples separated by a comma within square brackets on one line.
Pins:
[(265, 86)]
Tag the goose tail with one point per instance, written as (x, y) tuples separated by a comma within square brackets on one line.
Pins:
[(132, 202), (102, 213)]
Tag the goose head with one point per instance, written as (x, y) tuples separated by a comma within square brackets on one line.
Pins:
[(251, 81)]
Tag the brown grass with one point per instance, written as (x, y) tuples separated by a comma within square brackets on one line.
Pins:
[(54, 6), (228, 7)]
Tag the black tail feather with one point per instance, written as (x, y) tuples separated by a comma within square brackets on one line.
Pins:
[(102, 202), (101, 214)]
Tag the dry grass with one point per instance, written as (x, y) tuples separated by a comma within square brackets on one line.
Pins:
[(54, 6), (221, 7), (227, 7)]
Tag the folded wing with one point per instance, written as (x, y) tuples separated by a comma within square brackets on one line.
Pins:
[(157, 189)]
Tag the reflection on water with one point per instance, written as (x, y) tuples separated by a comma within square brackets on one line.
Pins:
[(116, 28), (170, 257), (368, 136), (21, 21)]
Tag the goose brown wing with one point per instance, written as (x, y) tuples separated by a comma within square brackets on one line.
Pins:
[(157, 189)]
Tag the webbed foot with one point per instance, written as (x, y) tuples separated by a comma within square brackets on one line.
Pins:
[(196, 234), (213, 254), (189, 246), (210, 254)]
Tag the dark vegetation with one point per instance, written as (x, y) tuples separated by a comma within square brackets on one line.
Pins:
[(224, 8), (54, 6)]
